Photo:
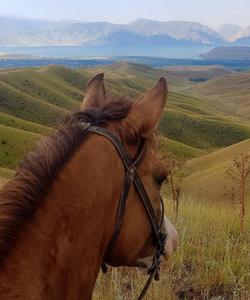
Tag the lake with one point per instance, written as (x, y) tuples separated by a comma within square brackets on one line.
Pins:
[(107, 51)]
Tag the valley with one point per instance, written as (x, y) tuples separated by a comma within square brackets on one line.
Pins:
[(202, 119)]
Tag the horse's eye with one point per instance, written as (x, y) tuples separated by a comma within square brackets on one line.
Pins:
[(160, 179)]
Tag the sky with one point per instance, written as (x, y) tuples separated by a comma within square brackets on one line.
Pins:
[(210, 12)]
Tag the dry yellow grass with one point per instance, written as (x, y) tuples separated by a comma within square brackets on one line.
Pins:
[(212, 260), (207, 179), (230, 92)]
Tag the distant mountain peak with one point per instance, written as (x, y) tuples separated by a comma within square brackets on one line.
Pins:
[(229, 31), (185, 30), (244, 33)]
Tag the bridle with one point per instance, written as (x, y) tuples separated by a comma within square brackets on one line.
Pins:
[(131, 177)]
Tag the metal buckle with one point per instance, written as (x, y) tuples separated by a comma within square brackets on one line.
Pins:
[(84, 125)]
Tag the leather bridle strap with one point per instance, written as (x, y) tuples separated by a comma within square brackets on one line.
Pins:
[(132, 177), (128, 179), (128, 164)]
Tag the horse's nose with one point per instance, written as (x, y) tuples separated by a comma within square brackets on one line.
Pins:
[(172, 237)]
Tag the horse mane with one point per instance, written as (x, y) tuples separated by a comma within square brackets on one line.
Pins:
[(21, 196)]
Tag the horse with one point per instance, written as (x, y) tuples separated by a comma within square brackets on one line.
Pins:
[(59, 212)]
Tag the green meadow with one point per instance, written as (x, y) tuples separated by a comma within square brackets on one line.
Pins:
[(204, 125)]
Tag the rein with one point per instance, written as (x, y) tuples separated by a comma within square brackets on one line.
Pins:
[(131, 177)]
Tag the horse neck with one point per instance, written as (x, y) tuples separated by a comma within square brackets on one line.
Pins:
[(59, 252)]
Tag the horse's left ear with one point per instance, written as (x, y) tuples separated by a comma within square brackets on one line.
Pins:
[(145, 114), (95, 92)]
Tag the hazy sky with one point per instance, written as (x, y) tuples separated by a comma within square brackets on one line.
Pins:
[(210, 12)]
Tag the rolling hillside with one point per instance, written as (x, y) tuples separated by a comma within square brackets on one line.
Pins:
[(188, 120), (198, 73), (14, 122), (205, 178), (5, 175), (32, 100), (177, 150), (14, 143), (136, 76), (230, 92)]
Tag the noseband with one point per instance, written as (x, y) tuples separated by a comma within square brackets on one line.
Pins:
[(131, 177)]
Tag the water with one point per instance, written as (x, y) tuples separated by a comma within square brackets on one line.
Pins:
[(107, 51)]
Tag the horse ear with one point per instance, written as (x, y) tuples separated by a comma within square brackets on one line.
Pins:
[(145, 114), (95, 92)]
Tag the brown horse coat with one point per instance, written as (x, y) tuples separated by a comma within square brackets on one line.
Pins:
[(57, 214)]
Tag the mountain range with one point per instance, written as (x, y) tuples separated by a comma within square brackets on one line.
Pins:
[(142, 32)]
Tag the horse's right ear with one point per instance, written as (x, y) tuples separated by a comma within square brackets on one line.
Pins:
[(145, 114), (95, 95)]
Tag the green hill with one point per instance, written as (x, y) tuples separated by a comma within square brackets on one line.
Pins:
[(198, 73), (14, 143), (230, 93), (205, 178), (3, 180), (188, 119), (202, 131), (71, 79), (14, 122), (36, 85), (5, 175), (131, 78), (23, 106), (33, 99), (178, 150)]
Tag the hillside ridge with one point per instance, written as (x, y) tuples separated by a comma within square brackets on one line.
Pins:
[(30, 100)]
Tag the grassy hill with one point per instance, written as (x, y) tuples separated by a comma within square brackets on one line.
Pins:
[(136, 77), (188, 119), (3, 181), (14, 143), (230, 92), (33, 99), (14, 122), (198, 73), (23, 106), (178, 150), (202, 131), (205, 178), (38, 85), (72, 80), (5, 175)]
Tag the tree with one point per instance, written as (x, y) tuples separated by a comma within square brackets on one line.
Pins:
[(239, 174), (173, 165)]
